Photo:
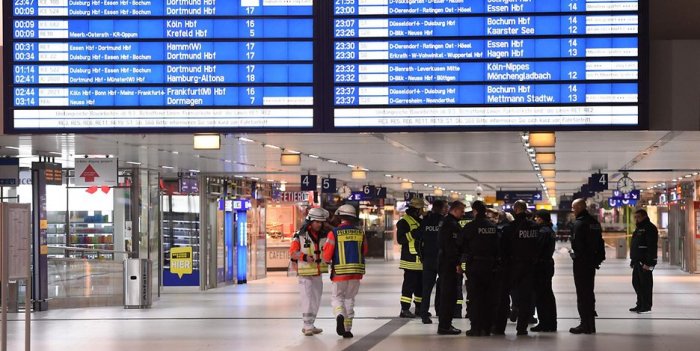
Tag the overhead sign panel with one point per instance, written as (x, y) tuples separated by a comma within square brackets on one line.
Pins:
[(598, 182), (96, 172), (9, 172), (488, 64), (633, 195), (159, 65), (258, 65), (513, 196)]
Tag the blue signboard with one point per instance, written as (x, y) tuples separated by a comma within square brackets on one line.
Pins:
[(632, 195), (486, 63), (258, 65), (513, 196), (612, 202), (359, 196), (160, 65)]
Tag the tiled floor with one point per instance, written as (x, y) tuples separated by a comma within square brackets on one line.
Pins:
[(264, 315)]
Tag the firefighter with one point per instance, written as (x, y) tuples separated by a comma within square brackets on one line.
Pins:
[(408, 235), (345, 250), (305, 251)]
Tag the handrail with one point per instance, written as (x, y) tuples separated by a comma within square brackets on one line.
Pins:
[(71, 248)]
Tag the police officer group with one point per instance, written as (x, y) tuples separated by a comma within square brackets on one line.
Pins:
[(508, 263), (503, 260)]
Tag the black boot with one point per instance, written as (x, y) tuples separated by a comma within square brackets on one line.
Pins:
[(584, 327), (406, 314), (474, 332)]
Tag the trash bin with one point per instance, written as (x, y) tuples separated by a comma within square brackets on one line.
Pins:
[(622, 248), (137, 283)]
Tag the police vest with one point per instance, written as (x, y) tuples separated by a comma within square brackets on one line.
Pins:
[(310, 248), (410, 260), (348, 258)]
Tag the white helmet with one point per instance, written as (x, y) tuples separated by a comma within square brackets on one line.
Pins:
[(317, 214), (346, 210)]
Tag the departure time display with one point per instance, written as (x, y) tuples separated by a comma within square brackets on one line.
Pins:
[(323, 65), (167, 64), (485, 63)]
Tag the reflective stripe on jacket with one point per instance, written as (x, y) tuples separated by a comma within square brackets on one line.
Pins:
[(409, 253), (349, 253)]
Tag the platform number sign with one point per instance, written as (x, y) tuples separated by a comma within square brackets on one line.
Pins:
[(369, 192), (598, 182), (309, 182), (380, 193), (328, 186)]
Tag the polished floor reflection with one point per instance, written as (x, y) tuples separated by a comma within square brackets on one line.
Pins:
[(265, 315)]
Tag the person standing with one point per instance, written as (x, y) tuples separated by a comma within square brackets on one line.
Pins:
[(481, 249), (306, 252), (450, 266), (345, 250), (544, 272), (408, 234), (643, 253), (503, 277), (523, 250), (588, 252), (428, 249)]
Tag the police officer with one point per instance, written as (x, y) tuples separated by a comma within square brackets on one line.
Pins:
[(462, 283), (449, 266), (503, 277), (544, 271), (588, 252), (643, 255), (408, 235), (523, 250), (481, 251), (428, 249)]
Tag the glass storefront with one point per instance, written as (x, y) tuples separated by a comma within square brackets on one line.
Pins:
[(284, 215)]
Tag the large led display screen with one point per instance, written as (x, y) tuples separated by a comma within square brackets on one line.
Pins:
[(163, 66), (486, 63), (80, 65)]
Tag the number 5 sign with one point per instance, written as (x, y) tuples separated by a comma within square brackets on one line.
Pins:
[(309, 182), (328, 186)]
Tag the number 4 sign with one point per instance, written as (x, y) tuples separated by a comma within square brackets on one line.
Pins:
[(598, 182), (309, 182)]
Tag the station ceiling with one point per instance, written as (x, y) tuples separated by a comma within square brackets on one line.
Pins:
[(455, 161)]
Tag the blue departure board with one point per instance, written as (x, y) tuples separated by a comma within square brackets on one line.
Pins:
[(431, 64), (324, 65), (84, 65)]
